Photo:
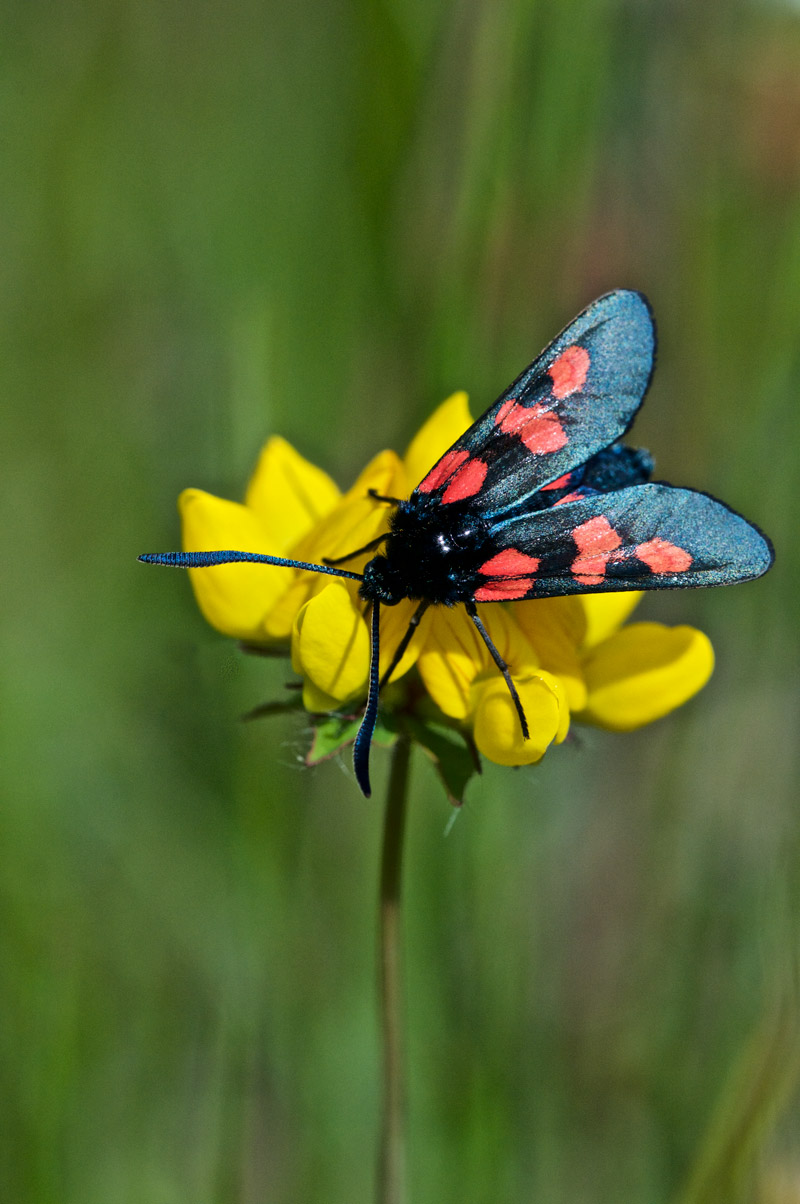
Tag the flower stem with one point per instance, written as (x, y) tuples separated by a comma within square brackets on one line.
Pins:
[(392, 1152)]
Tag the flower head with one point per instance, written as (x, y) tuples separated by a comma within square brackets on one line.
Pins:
[(569, 657)]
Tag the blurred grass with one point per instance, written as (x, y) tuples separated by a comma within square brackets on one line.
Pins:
[(319, 219)]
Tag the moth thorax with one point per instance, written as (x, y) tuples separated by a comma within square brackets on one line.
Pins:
[(431, 553)]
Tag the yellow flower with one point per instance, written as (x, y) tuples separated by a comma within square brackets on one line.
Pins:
[(567, 657), (463, 681), (274, 605), (616, 677), (286, 498)]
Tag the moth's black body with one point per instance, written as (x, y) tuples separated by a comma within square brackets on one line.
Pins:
[(427, 555), (433, 552), (538, 499)]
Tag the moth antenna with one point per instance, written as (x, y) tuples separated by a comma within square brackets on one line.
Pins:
[(364, 738), (203, 560)]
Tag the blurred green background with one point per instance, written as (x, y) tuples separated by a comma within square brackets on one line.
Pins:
[(219, 221)]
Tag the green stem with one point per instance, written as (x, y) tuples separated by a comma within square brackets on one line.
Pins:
[(392, 1152)]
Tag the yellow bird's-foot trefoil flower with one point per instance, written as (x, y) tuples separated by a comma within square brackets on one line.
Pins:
[(489, 572), (569, 658)]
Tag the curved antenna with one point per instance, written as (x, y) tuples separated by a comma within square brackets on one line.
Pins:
[(364, 737), (204, 560)]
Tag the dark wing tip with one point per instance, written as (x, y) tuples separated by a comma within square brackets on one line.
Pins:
[(763, 551), (755, 552), (738, 548)]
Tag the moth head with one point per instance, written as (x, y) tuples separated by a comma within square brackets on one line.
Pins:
[(383, 582)]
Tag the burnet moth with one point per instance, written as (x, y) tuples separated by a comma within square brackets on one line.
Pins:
[(538, 499)]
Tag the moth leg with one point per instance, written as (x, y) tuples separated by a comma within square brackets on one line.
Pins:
[(502, 666), (380, 497), (373, 543), (406, 640)]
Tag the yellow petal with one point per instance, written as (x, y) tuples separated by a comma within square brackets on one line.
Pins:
[(279, 622), (353, 522), (445, 425), (316, 700), (497, 730), (453, 655), (555, 628), (507, 637), (289, 494), (232, 597), (358, 517), (330, 644), (394, 624), (604, 613), (557, 686), (450, 660), (643, 672)]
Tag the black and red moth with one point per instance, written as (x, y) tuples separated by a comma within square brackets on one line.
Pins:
[(538, 499)]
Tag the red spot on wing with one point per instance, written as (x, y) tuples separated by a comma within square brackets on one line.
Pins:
[(569, 371), (511, 416), (503, 591), (441, 471), (663, 557), (509, 563), (590, 570), (599, 544), (537, 427), (505, 409), (560, 483), (596, 540), (467, 481), (596, 535), (570, 497), (543, 432)]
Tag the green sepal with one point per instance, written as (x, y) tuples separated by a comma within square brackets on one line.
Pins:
[(454, 757), (334, 732)]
